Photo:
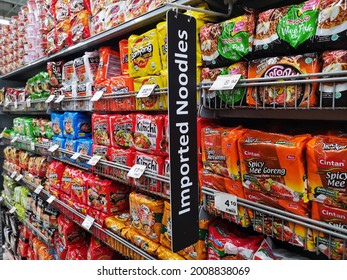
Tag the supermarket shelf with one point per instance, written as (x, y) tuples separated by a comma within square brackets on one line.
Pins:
[(215, 106), (151, 17), (36, 107), (27, 223), (108, 237), (261, 211)]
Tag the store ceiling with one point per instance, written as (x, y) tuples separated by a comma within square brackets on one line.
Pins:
[(10, 8)]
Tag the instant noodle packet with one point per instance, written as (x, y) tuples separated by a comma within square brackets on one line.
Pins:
[(114, 14), (80, 27), (144, 55), (146, 215), (164, 253), (124, 58), (122, 131), (327, 170), (101, 129), (109, 65), (142, 241)]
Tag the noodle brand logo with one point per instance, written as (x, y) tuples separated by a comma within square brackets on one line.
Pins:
[(337, 147), (251, 154), (280, 71), (327, 162), (291, 157), (299, 20), (327, 214), (150, 163)]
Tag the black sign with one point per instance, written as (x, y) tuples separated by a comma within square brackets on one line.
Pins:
[(183, 129)]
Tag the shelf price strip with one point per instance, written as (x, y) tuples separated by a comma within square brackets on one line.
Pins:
[(226, 203)]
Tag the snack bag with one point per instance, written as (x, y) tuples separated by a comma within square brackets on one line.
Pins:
[(79, 187), (106, 196), (123, 157), (144, 56), (124, 58), (114, 14), (327, 171), (118, 222), (153, 102), (62, 11), (146, 214), (109, 65), (76, 125), (148, 133), (80, 69), (55, 73), (101, 129), (228, 42), (77, 6), (98, 250), (134, 9), (142, 241), (154, 164), (54, 173), (63, 34), (98, 23), (69, 232), (274, 164), (77, 251), (91, 62), (69, 74), (67, 178), (225, 242), (302, 95), (122, 131), (80, 27), (52, 41)]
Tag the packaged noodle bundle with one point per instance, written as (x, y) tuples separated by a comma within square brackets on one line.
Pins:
[(98, 23), (327, 170), (274, 164), (123, 157), (295, 234), (63, 34), (122, 131), (123, 50), (220, 151), (101, 129), (287, 95), (122, 85), (144, 55), (164, 253), (334, 94), (162, 39), (146, 215), (118, 222), (332, 24), (77, 6), (225, 43), (330, 246), (142, 241), (109, 65), (80, 27), (114, 14), (76, 125), (226, 242), (135, 8), (153, 102)]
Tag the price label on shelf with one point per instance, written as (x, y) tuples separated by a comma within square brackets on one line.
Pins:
[(59, 99), (94, 160), (14, 173), (88, 222), (1, 199), (75, 156), (7, 102), (53, 148), (146, 90), (50, 98), (15, 104), (19, 177), (50, 199), (38, 189), (14, 139), (32, 146), (97, 96), (12, 210), (28, 101), (136, 171), (226, 203), (225, 82)]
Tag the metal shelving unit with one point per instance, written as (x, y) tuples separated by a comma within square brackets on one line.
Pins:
[(116, 242), (93, 42), (215, 106)]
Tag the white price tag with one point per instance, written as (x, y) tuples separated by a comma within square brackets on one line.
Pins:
[(50, 199), (146, 90), (75, 156), (38, 189), (88, 222), (28, 101), (32, 146), (59, 99), (7, 102), (94, 160), (14, 139), (12, 210), (14, 173), (226, 203), (97, 96), (15, 104), (19, 177), (136, 171), (50, 98), (225, 82), (1, 199), (53, 148)]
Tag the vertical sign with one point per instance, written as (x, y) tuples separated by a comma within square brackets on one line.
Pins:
[(181, 32)]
